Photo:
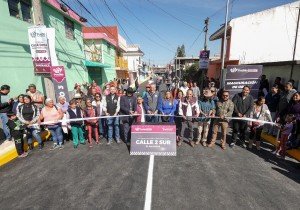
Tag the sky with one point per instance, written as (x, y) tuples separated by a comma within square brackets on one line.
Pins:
[(159, 34)]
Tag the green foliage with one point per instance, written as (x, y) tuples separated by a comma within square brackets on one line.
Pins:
[(190, 73), (180, 51)]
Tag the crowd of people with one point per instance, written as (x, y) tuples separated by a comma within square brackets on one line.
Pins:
[(106, 114)]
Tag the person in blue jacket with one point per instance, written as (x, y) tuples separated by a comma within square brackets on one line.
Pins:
[(167, 106)]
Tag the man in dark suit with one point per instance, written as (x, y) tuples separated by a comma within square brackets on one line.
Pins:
[(127, 107)]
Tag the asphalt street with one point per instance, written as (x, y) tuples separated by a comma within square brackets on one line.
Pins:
[(107, 177)]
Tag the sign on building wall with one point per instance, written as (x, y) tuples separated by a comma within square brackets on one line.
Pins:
[(157, 140), (237, 76), (39, 47), (58, 76), (204, 59)]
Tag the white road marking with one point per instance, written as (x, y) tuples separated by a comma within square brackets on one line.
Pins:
[(148, 197)]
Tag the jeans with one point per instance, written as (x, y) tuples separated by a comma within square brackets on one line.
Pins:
[(113, 125), (152, 119), (31, 132), (4, 120), (102, 127), (56, 133)]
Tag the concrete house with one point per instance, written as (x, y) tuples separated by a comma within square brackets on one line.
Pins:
[(266, 38)]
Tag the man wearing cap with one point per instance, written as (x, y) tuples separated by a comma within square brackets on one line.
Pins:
[(224, 108), (127, 107), (36, 96), (207, 109), (111, 106), (151, 104), (79, 102)]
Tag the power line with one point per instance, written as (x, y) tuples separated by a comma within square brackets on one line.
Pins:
[(96, 20), (173, 16), (196, 39), (111, 12), (145, 35), (157, 35)]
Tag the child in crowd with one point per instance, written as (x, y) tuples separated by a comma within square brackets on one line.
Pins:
[(285, 132), (91, 124), (17, 131), (76, 127)]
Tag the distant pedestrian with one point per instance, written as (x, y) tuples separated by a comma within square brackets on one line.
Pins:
[(263, 86), (196, 90), (184, 88)]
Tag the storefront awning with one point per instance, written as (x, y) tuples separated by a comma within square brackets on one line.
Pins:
[(88, 63)]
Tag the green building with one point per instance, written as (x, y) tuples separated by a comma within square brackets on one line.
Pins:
[(15, 57), (100, 51)]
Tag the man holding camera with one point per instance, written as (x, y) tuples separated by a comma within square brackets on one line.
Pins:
[(5, 106)]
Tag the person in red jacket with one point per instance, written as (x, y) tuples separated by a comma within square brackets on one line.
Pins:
[(91, 124)]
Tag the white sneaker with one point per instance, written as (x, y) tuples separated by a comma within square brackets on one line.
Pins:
[(55, 146)]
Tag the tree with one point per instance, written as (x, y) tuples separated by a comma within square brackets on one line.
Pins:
[(180, 51), (190, 74)]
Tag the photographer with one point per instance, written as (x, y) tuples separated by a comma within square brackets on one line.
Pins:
[(6, 104)]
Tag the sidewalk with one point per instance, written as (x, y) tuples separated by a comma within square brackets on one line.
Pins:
[(294, 153)]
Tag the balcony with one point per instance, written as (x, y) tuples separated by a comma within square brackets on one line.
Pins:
[(94, 56), (121, 63)]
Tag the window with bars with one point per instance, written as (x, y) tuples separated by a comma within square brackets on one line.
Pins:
[(20, 9), (69, 28)]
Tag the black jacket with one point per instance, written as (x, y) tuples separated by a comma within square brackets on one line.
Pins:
[(243, 106), (127, 104), (4, 106)]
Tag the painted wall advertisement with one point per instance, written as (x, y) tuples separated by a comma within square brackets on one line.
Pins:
[(58, 76), (204, 59), (237, 76), (157, 140), (39, 47)]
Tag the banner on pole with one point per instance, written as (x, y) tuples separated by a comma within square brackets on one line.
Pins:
[(237, 76), (58, 76), (39, 48), (204, 59), (157, 140)]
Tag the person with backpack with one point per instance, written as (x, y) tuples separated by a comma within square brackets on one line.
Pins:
[(28, 113)]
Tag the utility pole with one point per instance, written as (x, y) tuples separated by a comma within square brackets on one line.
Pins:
[(295, 44), (38, 19), (206, 21), (203, 72), (224, 47)]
